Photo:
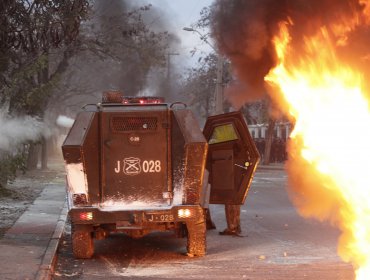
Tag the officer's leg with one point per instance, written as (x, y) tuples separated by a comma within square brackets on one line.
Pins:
[(233, 220)]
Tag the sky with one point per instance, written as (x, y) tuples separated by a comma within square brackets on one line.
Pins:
[(180, 14)]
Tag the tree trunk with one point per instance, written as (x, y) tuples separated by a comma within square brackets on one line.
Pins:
[(44, 79), (269, 138), (44, 154), (33, 156)]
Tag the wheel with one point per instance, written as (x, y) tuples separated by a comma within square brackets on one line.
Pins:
[(82, 244)]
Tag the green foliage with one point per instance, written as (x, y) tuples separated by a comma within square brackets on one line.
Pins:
[(33, 26), (205, 19), (24, 94), (29, 32), (200, 83), (124, 38), (121, 47), (10, 163)]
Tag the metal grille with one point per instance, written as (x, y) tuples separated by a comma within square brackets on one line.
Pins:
[(133, 123)]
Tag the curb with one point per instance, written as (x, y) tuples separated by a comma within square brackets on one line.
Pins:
[(47, 265)]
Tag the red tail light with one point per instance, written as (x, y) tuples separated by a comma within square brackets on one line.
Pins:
[(86, 216)]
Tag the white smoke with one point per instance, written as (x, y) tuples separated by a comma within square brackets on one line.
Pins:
[(14, 131), (64, 121)]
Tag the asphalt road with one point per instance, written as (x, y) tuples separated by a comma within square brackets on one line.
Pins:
[(277, 244)]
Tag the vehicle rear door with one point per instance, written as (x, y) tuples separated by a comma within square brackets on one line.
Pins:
[(232, 158), (135, 155)]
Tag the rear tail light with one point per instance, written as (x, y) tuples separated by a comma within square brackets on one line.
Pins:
[(79, 199), (86, 216), (184, 213)]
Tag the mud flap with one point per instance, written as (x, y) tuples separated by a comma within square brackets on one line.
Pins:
[(196, 245)]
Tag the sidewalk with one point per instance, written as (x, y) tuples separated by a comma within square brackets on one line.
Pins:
[(27, 250)]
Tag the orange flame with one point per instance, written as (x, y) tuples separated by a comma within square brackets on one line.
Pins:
[(330, 144)]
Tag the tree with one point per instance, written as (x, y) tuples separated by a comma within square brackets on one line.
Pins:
[(120, 49), (199, 84), (51, 58), (30, 31)]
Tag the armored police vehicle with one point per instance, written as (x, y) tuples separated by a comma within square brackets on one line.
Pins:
[(137, 165)]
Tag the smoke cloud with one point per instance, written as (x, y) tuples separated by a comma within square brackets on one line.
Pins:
[(64, 121), (244, 31), (15, 131)]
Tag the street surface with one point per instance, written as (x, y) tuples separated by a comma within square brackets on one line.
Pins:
[(276, 244)]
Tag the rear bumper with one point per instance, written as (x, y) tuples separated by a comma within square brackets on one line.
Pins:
[(134, 218)]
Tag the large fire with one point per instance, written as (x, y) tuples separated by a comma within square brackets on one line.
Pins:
[(330, 144)]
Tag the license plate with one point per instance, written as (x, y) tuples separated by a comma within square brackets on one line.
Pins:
[(160, 217)]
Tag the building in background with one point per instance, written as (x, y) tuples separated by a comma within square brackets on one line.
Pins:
[(282, 130)]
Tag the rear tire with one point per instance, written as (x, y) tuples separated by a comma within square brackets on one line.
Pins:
[(82, 244)]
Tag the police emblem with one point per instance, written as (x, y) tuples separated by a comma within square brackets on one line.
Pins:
[(131, 166)]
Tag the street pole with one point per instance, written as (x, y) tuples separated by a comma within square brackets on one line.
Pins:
[(169, 64), (219, 87)]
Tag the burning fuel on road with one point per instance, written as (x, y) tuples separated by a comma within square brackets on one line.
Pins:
[(312, 58)]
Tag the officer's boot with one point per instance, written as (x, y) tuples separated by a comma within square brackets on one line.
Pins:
[(233, 220)]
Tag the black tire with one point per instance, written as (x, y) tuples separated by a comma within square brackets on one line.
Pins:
[(82, 244)]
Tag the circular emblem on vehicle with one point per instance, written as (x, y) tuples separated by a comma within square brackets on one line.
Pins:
[(131, 166), (134, 139)]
